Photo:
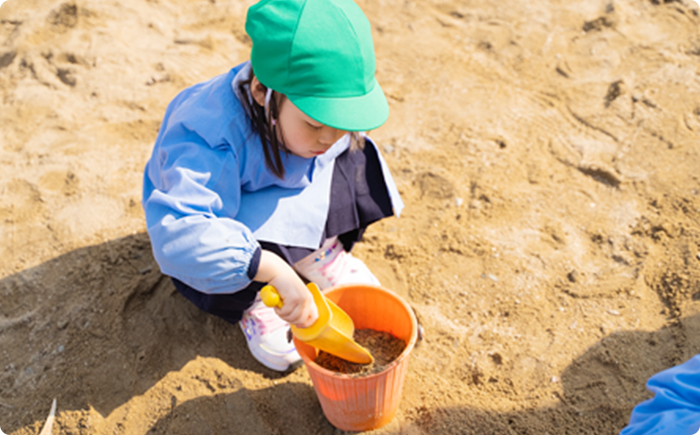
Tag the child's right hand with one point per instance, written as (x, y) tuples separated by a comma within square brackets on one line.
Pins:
[(298, 306)]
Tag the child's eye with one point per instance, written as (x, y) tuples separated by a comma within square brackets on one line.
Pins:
[(315, 127)]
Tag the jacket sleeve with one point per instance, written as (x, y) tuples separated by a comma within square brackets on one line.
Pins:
[(675, 407), (191, 192)]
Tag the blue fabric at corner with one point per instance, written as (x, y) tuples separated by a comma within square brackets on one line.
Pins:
[(675, 407)]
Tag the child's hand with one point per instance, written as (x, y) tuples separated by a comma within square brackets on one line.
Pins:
[(298, 305)]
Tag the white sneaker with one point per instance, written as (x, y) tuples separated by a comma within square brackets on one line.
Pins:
[(266, 335), (331, 265)]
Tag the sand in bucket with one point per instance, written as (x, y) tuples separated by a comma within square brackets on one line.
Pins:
[(358, 403)]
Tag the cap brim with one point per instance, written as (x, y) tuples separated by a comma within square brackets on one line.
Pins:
[(350, 114)]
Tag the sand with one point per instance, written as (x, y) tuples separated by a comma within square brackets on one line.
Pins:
[(547, 152)]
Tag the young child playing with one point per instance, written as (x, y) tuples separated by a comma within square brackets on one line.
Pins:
[(263, 175)]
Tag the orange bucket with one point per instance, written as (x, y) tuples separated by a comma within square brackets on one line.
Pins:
[(353, 403)]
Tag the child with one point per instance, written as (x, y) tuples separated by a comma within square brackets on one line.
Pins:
[(261, 174)]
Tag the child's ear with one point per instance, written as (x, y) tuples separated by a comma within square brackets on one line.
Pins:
[(258, 91)]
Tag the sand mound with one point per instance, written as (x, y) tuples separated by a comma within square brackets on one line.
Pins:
[(547, 154)]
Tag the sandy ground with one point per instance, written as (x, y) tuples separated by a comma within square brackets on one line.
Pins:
[(547, 152)]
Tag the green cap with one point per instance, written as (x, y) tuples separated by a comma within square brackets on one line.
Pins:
[(319, 53)]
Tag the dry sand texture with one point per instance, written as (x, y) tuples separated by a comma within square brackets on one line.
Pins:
[(547, 152)]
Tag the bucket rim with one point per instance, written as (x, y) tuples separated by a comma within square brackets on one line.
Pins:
[(404, 354)]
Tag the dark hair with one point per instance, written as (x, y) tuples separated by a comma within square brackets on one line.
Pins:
[(267, 129)]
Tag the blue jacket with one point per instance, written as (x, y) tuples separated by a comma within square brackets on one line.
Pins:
[(675, 407), (209, 197)]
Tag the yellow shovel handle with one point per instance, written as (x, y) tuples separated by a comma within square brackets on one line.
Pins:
[(270, 296)]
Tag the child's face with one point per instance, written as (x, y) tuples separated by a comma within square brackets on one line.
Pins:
[(303, 136)]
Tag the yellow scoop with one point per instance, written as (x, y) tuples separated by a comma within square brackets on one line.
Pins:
[(331, 332)]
